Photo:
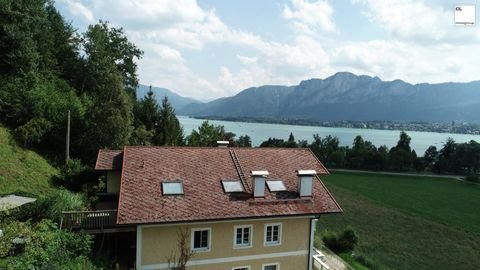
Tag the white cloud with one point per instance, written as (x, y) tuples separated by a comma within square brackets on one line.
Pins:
[(78, 9), (247, 60), (310, 17), (170, 31), (179, 23), (414, 63), (418, 21)]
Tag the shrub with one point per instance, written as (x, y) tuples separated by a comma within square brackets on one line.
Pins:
[(74, 175), (45, 247), (63, 200), (366, 261), (342, 242), (472, 178)]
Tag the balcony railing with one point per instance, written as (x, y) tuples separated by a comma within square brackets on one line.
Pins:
[(319, 261), (89, 219)]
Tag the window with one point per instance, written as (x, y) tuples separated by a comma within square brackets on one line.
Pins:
[(273, 234), (271, 266), (276, 185), (232, 186), (172, 187), (201, 239), (241, 268), (242, 236)]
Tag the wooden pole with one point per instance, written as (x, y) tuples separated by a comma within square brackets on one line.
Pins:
[(67, 148)]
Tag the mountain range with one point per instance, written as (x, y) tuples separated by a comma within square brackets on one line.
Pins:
[(176, 100), (346, 96)]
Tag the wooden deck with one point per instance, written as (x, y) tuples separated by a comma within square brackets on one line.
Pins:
[(99, 219)]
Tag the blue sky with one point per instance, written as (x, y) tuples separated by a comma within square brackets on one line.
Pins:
[(210, 48)]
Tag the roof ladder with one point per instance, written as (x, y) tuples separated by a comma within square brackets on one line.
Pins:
[(241, 174)]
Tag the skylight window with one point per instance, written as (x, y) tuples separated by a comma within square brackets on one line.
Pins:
[(276, 185), (232, 186), (172, 187)]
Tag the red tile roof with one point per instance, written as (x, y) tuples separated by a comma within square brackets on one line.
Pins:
[(201, 170), (109, 160)]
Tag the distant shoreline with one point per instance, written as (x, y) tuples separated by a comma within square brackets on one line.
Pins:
[(437, 127)]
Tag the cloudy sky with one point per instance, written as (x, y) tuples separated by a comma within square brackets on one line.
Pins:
[(212, 48)]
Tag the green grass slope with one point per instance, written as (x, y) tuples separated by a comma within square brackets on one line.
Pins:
[(22, 171), (451, 202), (401, 229)]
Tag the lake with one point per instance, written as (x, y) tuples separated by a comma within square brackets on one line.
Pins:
[(260, 132)]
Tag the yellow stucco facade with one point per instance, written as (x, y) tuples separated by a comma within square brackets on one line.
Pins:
[(155, 244)]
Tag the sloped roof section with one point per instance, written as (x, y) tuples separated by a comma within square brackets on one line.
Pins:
[(202, 170), (109, 160)]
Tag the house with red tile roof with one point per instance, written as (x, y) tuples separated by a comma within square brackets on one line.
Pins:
[(240, 208)]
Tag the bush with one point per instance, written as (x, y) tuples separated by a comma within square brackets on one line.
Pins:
[(62, 200), (472, 178), (44, 247), (364, 260), (50, 207), (343, 242)]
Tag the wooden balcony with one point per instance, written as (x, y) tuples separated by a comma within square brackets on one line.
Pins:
[(89, 220)]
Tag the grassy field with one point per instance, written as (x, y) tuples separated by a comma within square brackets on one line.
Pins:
[(409, 222), (22, 171)]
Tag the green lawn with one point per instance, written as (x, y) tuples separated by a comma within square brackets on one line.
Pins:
[(22, 171), (409, 222)]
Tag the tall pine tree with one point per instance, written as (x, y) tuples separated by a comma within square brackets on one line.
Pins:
[(168, 131)]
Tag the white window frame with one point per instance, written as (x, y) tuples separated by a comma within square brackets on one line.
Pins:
[(209, 248), (268, 244), (250, 236), (277, 265), (241, 267), (166, 182)]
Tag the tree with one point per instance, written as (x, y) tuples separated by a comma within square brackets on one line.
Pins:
[(208, 135), (328, 151), (110, 80), (23, 25), (107, 47), (430, 156), (109, 118), (291, 143), (168, 130), (147, 111), (356, 155), (404, 142), (180, 262), (273, 142), (244, 141), (400, 155), (446, 157)]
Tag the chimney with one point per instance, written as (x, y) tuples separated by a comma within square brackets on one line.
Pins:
[(259, 183), (305, 179), (223, 144)]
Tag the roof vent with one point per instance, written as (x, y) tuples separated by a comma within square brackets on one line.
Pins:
[(259, 183), (305, 179), (223, 144)]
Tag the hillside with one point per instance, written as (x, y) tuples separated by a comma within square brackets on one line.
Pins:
[(409, 222), (22, 171), (346, 96), (177, 101)]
